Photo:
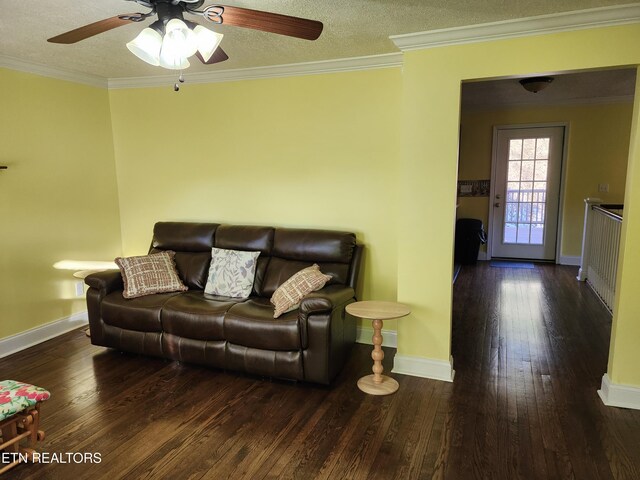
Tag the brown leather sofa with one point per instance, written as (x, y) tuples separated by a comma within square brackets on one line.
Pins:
[(310, 344)]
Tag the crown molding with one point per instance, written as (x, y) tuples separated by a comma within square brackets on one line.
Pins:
[(520, 27), (51, 72), (389, 60)]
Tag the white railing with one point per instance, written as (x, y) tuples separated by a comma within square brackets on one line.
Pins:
[(600, 247)]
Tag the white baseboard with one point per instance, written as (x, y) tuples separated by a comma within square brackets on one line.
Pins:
[(615, 395), (389, 337), (570, 260), (424, 367), (42, 333)]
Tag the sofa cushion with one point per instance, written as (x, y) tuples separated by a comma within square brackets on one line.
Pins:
[(192, 243), (231, 273), (203, 352), (196, 315), (270, 363), (313, 245), (288, 295), (183, 236), (149, 274), (280, 270), (295, 249), (245, 237), (141, 314), (251, 324)]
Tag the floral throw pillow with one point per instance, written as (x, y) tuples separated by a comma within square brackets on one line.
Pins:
[(231, 273), (149, 274), (288, 295), (17, 396)]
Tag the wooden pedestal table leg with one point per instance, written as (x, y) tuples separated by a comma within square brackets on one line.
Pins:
[(377, 384)]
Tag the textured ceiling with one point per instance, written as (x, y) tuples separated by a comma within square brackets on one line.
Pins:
[(352, 28), (579, 87)]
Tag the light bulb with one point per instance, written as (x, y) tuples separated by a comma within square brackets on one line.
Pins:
[(181, 37)]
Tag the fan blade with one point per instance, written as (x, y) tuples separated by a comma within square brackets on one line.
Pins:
[(218, 56), (95, 28), (265, 21)]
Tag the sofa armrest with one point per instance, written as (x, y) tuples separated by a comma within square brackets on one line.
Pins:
[(107, 281), (326, 299)]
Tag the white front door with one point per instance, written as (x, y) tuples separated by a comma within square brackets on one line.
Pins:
[(526, 192)]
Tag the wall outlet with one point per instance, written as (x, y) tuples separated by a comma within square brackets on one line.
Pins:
[(603, 187), (79, 288)]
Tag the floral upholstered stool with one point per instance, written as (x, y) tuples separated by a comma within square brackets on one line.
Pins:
[(19, 419)]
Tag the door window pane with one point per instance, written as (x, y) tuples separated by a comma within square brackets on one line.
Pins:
[(525, 204), (527, 170), (539, 192), (541, 170), (523, 233), (511, 214), (510, 230), (542, 148), (524, 213), (512, 191), (537, 212), (537, 234), (515, 149), (529, 148), (514, 171)]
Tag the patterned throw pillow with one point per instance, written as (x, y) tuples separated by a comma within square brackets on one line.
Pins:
[(148, 274), (231, 273), (288, 295)]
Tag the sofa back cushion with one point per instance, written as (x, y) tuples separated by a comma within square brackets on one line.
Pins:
[(295, 249), (192, 243), (248, 238), (283, 251)]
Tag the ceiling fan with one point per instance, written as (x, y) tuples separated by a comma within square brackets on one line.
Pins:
[(170, 40)]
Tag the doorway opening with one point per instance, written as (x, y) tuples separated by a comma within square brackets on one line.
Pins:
[(507, 320), (588, 114)]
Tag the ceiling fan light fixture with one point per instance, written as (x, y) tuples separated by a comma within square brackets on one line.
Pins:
[(208, 41), (180, 38), (146, 46)]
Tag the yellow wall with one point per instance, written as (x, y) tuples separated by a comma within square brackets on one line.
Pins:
[(598, 149), (624, 355), (375, 152), (431, 80), (318, 151), (58, 199)]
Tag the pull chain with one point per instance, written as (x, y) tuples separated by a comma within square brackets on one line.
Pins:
[(176, 86)]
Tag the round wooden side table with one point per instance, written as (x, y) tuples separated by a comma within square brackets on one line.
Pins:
[(377, 384)]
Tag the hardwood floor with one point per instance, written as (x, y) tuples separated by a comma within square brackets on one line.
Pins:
[(530, 348)]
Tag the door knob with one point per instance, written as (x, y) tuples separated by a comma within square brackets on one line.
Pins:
[(497, 204)]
